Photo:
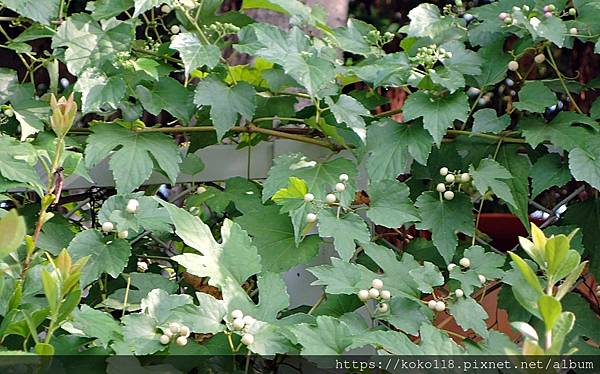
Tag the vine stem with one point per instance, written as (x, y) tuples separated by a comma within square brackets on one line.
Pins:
[(561, 79), (316, 304)]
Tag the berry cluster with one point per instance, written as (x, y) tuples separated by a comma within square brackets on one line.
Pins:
[(451, 179), (175, 331), (531, 14), (330, 199), (376, 292), (429, 56), (242, 323), (132, 208)]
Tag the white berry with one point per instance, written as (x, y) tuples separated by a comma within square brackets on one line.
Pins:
[(340, 187), (181, 341), (539, 58), (168, 332), (201, 190), (247, 339), (373, 293), (363, 295), (385, 295), (382, 308), (165, 9), (174, 327), (238, 323), (431, 304), (309, 197), (344, 178), (184, 331), (237, 314), (459, 293), (330, 198), (142, 266), (450, 178), (123, 234), (377, 283), (451, 266), (503, 16), (481, 278), (465, 177), (132, 206), (513, 66), (107, 226), (175, 29), (164, 339), (573, 31), (9, 112), (440, 306), (311, 217), (440, 187), (249, 321), (465, 262), (444, 171), (448, 195)]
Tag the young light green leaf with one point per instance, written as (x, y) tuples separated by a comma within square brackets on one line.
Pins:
[(526, 272), (550, 310), (12, 232)]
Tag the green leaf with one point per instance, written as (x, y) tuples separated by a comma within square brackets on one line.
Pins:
[(141, 334), (106, 254), (468, 314), (548, 171), (12, 232), (407, 315), (350, 111), (30, 113), (104, 9), (485, 120), (17, 162), (390, 204), (42, 11), (585, 163), (206, 318), (392, 146), (438, 113), (273, 234), (90, 44), (169, 95), (447, 78), (390, 70), (490, 175), (426, 21), (194, 53), (337, 305), (436, 342), (330, 336), (345, 231), (96, 324), (586, 216), (550, 310), (352, 38), (148, 216), (8, 83), (299, 12), (320, 177), (228, 264), (535, 97), (55, 235), (518, 166), (142, 6), (549, 28), (443, 218), (132, 164), (560, 133), (462, 60), (268, 339), (393, 342), (342, 277), (526, 272), (494, 65), (226, 102), (98, 90), (159, 305)]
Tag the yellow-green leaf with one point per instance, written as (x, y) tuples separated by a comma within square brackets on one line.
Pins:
[(528, 274), (12, 231)]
